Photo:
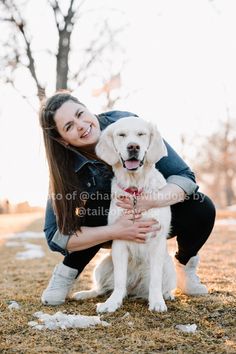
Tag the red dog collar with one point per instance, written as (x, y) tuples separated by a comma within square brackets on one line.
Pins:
[(132, 190)]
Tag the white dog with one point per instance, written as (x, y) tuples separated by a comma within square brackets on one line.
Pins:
[(132, 146)]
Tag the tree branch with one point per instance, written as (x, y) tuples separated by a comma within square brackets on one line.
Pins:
[(20, 25)]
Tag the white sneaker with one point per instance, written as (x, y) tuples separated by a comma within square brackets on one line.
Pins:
[(187, 280), (62, 279)]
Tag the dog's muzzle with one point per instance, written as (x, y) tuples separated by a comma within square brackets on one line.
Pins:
[(132, 164)]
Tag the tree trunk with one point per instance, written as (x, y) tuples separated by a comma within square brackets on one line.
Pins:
[(62, 59)]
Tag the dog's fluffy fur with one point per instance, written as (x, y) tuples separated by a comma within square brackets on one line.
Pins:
[(132, 146)]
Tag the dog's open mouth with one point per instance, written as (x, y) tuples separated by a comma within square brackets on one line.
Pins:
[(132, 164)]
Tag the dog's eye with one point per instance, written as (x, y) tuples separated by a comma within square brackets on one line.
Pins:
[(122, 135), (141, 134)]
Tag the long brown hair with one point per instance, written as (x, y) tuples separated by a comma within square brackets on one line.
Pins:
[(64, 184)]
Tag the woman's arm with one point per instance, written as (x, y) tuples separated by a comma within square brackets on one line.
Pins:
[(168, 195), (56, 241), (176, 171), (89, 237), (123, 229)]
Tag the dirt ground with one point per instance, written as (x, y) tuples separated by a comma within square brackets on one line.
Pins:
[(139, 331)]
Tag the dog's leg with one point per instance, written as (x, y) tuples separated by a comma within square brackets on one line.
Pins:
[(120, 263), (157, 254), (169, 278), (86, 294), (102, 280)]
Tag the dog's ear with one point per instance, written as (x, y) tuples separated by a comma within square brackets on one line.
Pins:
[(157, 148), (105, 148)]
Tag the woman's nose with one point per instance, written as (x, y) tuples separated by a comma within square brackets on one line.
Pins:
[(80, 125)]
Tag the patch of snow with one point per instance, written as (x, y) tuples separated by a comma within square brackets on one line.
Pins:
[(24, 235), (127, 314), (33, 251), (188, 328), (13, 244), (231, 207), (28, 234), (14, 305), (227, 221), (63, 321)]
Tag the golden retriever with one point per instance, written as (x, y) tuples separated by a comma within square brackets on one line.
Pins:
[(132, 146)]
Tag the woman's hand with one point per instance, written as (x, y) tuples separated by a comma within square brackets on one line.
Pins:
[(143, 202), (132, 228)]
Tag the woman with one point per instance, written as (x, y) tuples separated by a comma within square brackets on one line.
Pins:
[(79, 198)]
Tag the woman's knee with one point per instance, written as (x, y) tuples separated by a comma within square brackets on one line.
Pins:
[(196, 208), (204, 213), (207, 207)]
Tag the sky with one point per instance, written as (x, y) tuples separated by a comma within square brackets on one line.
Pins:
[(180, 72)]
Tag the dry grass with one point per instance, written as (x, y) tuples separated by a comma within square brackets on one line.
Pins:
[(140, 332)]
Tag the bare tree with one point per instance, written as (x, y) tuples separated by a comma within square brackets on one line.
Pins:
[(216, 163), (20, 50)]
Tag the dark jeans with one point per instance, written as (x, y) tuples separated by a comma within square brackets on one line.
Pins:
[(192, 223)]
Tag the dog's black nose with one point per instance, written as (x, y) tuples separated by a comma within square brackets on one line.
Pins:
[(133, 147)]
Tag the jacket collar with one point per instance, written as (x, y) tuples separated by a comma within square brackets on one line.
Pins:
[(80, 160)]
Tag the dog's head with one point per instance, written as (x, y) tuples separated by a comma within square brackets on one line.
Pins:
[(132, 142)]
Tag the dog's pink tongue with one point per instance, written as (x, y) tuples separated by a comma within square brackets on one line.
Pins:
[(131, 164)]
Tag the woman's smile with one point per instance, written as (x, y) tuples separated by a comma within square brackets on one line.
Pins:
[(86, 134)]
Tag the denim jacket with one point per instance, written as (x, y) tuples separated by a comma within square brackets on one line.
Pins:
[(96, 184)]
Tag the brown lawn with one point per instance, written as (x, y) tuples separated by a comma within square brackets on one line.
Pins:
[(139, 332)]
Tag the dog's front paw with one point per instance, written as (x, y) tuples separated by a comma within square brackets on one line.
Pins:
[(168, 296), (107, 306), (158, 306)]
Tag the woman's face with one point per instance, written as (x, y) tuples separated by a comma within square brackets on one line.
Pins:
[(77, 126)]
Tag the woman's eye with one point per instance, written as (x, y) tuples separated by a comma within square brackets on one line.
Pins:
[(141, 134), (68, 127), (79, 114)]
